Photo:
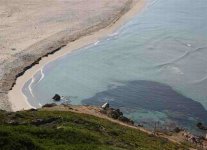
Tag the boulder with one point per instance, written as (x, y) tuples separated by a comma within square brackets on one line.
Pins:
[(56, 97), (139, 125), (113, 113), (201, 126), (119, 112), (126, 120), (116, 114)]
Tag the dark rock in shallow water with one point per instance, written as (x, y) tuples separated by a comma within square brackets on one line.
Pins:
[(56, 97), (49, 105), (201, 126)]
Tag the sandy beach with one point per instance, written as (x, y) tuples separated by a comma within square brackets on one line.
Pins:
[(22, 65)]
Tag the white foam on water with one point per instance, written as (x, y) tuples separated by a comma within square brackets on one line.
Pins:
[(114, 34), (175, 70), (189, 45), (40, 105), (199, 81), (96, 43), (42, 75), (25, 97), (30, 87)]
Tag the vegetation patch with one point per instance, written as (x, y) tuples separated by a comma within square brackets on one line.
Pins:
[(67, 130)]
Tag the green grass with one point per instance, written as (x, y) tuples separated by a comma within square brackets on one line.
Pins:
[(73, 131)]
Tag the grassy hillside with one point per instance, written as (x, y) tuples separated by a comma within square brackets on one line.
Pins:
[(67, 130)]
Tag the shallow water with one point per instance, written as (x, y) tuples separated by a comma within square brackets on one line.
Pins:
[(165, 45)]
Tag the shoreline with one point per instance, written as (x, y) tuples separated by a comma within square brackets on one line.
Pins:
[(16, 92)]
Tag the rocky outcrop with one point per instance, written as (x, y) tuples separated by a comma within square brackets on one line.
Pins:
[(56, 97), (177, 130), (116, 114)]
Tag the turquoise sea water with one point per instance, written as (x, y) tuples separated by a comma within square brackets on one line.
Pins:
[(154, 67)]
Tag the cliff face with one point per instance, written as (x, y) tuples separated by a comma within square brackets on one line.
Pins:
[(32, 29)]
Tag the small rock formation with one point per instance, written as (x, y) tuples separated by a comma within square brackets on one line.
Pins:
[(49, 105), (198, 140), (126, 120), (115, 114), (139, 125), (56, 97), (112, 113), (177, 130), (201, 126)]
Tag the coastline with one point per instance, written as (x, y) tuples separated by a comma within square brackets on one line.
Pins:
[(16, 92)]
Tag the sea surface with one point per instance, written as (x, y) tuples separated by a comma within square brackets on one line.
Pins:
[(154, 68)]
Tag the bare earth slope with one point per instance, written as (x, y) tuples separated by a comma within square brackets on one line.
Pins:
[(32, 29)]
